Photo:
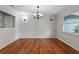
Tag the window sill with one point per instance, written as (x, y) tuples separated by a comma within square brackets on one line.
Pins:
[(76, 34)]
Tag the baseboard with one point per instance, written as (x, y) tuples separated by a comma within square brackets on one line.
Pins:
[(67, 43), (71, 49), (20, 38), (57, 43), (8, 43), (37, 38)]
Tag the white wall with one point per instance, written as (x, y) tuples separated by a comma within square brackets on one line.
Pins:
[(7, 35), (42, 28), (71, 40)]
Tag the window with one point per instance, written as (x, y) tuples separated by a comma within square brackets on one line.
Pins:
[(71, 24), (6, 20)]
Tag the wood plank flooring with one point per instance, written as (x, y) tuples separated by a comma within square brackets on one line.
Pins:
[(38, 46)]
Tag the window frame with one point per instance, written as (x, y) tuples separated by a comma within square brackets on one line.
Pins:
[(77, 34)]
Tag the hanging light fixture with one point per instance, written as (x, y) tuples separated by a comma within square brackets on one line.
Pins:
[(38, 14)]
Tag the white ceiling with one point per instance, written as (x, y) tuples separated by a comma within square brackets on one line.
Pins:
[(44, 9)]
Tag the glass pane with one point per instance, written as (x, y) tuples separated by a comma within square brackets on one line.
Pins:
[(73, 28), (71, 19), (6, 20)]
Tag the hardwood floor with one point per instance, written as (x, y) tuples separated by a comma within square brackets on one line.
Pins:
[(38, 46)]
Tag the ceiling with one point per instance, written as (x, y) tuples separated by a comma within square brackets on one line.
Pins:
[(44, 9)]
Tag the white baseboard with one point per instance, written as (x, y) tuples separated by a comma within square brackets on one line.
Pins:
[(61, 39), (8, 43)]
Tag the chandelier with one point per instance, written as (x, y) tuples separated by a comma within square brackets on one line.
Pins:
[(38, 14)]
